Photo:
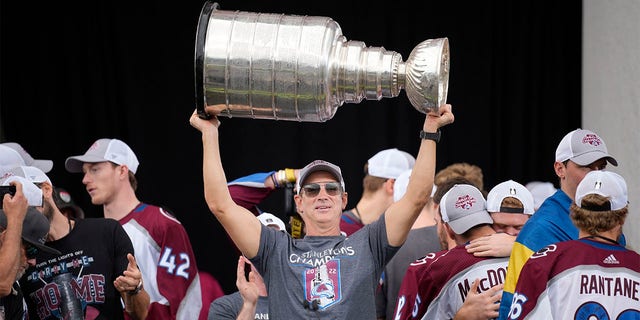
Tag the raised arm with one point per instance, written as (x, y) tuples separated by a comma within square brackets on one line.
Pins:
[(15, 209), (401, 215), (240, 223), (250, 290), (131, 288)]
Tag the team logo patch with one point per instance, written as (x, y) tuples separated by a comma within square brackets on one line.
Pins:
[(94, 146), (465, 202), (544, 251), (592, 139), (322, 284)]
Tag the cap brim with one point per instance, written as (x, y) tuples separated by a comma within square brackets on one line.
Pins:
[(74, 164), (44, 165), (591, 157), (469, 221), (78, 213), (321, 167), (494, 206), (42, 247)]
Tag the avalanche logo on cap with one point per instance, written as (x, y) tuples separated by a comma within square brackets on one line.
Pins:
[(465, 202), (94, 146), (592, 139)]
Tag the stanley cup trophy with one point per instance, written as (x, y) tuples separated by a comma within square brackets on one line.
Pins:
[(70, 307), (301, 68)]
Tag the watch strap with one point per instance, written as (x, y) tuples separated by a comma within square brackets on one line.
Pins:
[(137, 289), (435, 136)]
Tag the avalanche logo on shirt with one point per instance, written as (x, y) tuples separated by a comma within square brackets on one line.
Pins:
[(323, 284)]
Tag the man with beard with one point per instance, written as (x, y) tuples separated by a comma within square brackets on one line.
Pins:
[(96, 252), (17, 249)]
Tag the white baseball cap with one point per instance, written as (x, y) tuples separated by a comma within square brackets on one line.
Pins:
[(605, 183), (5, 171), (463, 207), (269, 219), (541, 190), (512, 189), (30, 190), (400, 186), (13, 154), (102, 150), (390, 163), (583, 147), (33, 174)]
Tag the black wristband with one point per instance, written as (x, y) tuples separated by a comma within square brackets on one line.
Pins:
[(435, 136)]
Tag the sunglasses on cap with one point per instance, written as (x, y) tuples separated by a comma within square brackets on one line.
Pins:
[(313, 189), (30, 250)]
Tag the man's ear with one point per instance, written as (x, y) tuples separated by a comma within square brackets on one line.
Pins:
[(345, 200), (124, 170), (450, 233), (388, 186), (560, 169), (47, 189), (298, 200)]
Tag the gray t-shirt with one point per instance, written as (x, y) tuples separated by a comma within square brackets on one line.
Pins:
[(227, 307), (329, 277)]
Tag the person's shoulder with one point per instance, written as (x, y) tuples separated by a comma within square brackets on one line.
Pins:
[(103, 228), (423, 231), (550, 213), (550, 222), (558, 201), (160, 214), (427, 259), (349, 218), (229, 299), (562, 252), (99, 222), (532, 235), (226, 307)]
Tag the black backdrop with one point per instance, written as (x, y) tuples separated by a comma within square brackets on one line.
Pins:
[(73, 73)]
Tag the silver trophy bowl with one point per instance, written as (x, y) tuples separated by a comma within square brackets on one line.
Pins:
[(301, 68)]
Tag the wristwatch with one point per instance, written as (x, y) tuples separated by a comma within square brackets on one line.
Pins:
[(435, 136), (137, 289)]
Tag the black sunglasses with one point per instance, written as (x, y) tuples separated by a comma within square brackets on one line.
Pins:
[(313, 189), (30, 250)]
